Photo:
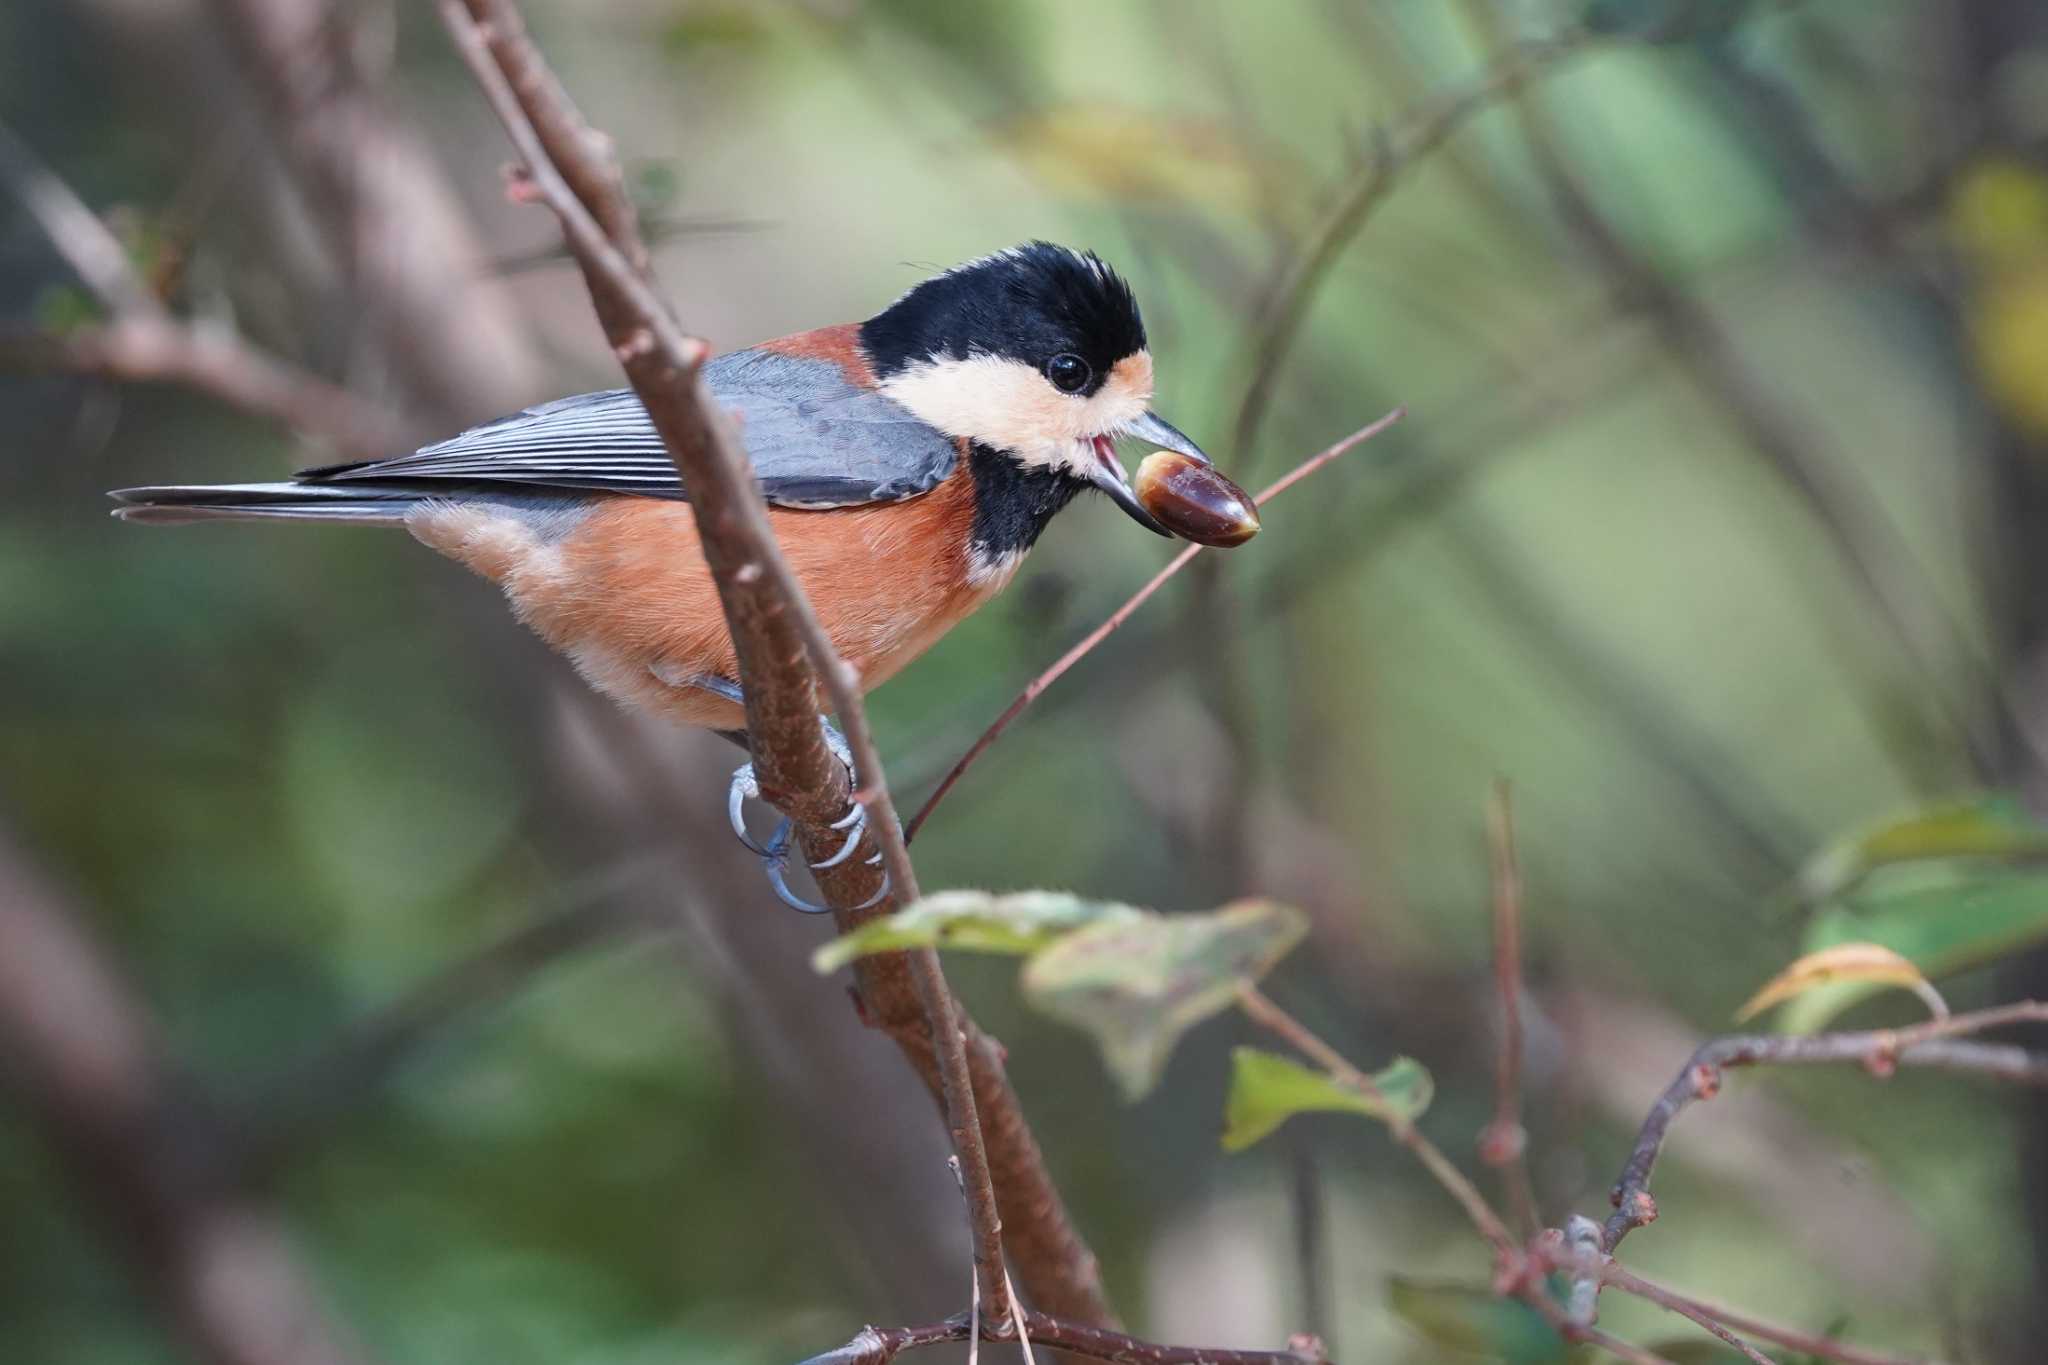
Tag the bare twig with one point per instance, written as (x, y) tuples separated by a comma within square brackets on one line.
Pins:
[(84, 1054), (1879, 1051), (1262, 1011), (1707, 1315), (1391, 152), (1086, 645), (142, 342), (1504, 1142), (87, 244), (1622, 1279), (771, 622), (153, 348), (880, 1345), (392, 224)]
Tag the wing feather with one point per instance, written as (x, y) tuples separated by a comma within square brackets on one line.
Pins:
[(816, 440)]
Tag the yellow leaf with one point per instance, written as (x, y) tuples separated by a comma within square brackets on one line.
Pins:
[(1844, 962)]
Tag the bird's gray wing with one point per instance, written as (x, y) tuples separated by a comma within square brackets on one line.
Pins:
[(816, 440)]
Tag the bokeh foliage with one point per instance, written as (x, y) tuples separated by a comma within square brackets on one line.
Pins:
[(293, 772)]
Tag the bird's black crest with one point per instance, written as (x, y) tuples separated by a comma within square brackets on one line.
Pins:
[(1029, 303)]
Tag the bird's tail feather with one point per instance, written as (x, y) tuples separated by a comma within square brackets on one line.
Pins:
[(171, 504)]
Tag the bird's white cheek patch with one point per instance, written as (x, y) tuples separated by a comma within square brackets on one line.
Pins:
[(1011, 406)]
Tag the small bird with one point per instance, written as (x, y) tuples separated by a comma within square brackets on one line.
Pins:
[(909, 462)]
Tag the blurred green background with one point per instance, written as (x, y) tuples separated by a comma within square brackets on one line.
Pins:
[(1715, 527)]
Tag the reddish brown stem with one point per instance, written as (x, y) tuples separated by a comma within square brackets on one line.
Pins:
[(1087, 644), (782, 649), (1504, 1142), (880, 1345), (1261, 1010)]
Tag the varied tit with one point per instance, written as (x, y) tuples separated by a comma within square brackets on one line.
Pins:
[(910, 462)]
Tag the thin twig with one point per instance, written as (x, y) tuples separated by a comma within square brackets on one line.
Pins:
[(87, 244), (771, 621), (1086, 645), (143, 343), (1261, 1010), (879, 1345), (1504, 1142), (1700, 1311), (1879, 1051), (1623, 1280), (1391, 152), (155, 348)]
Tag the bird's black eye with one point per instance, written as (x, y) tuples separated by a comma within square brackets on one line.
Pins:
[(1068, 372)]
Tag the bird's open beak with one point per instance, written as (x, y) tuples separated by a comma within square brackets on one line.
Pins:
[(1179, 492), (1162, 433), (1107, 473)]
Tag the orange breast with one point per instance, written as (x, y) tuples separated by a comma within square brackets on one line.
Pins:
[(628, 597)]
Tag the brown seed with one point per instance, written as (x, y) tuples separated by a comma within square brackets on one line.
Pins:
[(1195, 502)]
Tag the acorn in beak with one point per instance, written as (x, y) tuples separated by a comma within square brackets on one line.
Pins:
[(1178, 491)]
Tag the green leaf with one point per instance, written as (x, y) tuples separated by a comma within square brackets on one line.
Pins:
[(1139, 981), (1022, 922), (1477, 1322), (1941, 929), (1266, 1090), (1993, 826)]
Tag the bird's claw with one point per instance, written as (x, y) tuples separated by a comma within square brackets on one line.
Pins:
[(774, 854)]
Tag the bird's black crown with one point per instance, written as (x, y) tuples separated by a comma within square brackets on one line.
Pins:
[(1030, 303)]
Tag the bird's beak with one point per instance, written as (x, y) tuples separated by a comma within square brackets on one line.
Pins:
[(1162, 433), (1107, 473)]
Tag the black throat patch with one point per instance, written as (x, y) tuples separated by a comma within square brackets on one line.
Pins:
[(1013, 503)]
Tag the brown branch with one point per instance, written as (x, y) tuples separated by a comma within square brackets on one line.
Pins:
[(1087, 644), (1685, 1308), (143, 343), (1935, 1043), (880, 1345), (87, 244), (1504, 1142), (1709, 1315), (152, 347), (144, 1146), (1262, 1011), (395, 230), (778, 639)]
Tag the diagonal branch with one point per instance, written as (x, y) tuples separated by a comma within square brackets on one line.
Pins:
[(1938, 1043), (1088, 642), (782, 649), (152, 347), (143, 343), (1393, 151)]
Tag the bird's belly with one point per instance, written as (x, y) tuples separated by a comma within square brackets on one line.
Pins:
[(627, 597)]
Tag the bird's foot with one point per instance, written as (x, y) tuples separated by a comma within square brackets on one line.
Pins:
[(774, 854)]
